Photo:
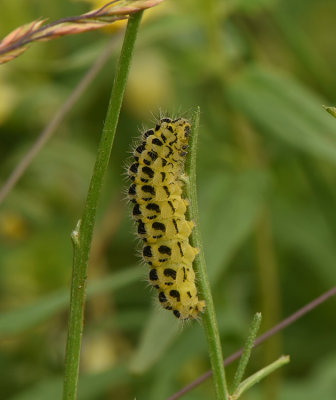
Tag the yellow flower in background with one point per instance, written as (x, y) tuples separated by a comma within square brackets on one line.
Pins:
[(12, 226), (101, 352), (149, 84)]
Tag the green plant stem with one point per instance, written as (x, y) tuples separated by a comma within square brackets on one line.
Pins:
[(82, 236), (258, 376), (255, 325), (209, 316)]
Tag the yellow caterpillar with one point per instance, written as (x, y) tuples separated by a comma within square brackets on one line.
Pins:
[(159, 211)]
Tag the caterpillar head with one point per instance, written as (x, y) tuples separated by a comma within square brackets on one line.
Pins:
[(183, 129), (177, 133)]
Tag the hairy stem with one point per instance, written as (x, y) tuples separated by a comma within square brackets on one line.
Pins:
[(209, 316), (82, 235), (277, 328), (247, 351)]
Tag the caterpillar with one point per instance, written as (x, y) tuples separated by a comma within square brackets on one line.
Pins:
[(159, 211)]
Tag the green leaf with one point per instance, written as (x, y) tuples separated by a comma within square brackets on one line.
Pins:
[(320, 383), (282, 107), (305, 232), (91, 386), (229, 214), (28, 316), (159, 332)]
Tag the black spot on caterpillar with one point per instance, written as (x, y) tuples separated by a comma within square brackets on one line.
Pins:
[(160, 209)]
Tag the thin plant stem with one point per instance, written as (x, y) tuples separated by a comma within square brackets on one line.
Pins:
[(271, 332), (209, 316), (258, 376), (50, 129), (255, 325), (82, 236)]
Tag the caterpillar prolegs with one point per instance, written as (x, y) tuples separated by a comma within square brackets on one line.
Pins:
[(159, 210)]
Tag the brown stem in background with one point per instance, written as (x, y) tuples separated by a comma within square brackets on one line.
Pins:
[(277, 328), (50, 129)]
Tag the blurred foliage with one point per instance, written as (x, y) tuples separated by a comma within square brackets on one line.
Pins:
[(260, 71)]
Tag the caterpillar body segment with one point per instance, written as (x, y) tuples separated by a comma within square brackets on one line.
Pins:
[(169, 228), (149, 211), (164, 252), (142, 193)]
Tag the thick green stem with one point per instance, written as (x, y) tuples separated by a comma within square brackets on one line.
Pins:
[(209, 316), (82, 235)]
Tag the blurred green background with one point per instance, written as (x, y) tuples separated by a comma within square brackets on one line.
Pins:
[(260, 70)]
